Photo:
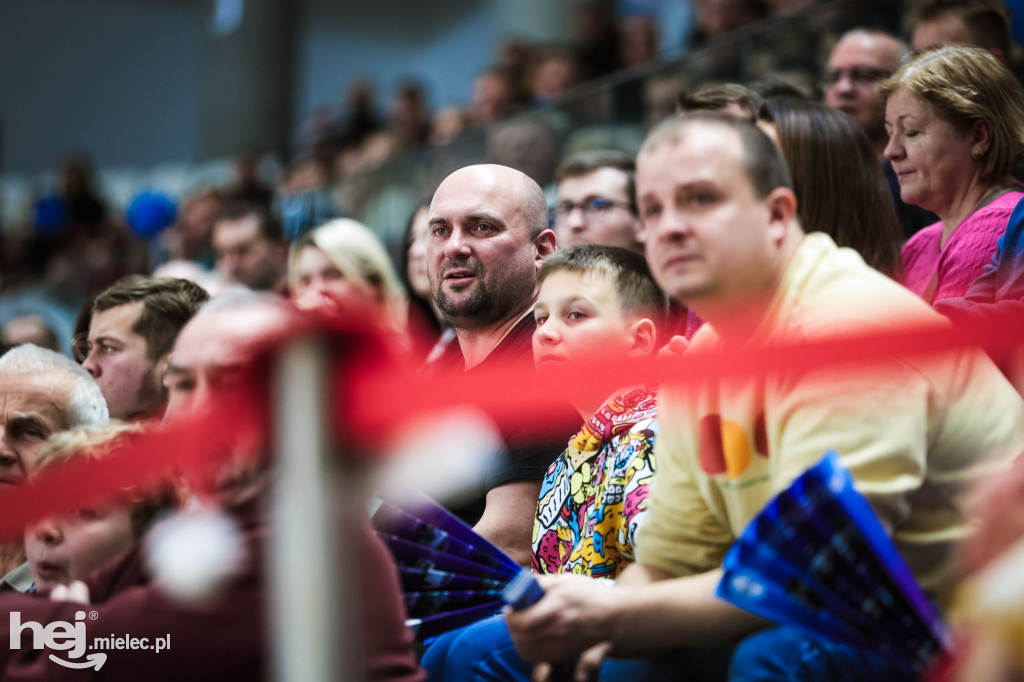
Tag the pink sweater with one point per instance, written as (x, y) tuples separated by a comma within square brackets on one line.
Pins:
[(967, 252)]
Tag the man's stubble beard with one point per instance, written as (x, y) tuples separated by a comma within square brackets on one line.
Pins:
[(476, 308), (483, 306)]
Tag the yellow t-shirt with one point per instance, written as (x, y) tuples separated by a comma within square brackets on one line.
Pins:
[(912, 432)]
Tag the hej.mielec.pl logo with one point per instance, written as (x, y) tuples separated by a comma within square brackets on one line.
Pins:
[(71, 637)]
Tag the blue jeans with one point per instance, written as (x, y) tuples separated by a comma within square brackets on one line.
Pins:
[(790, 654), (481, 651), (484, 651)]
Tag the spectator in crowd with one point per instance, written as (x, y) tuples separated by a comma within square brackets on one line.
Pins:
[(840, 188), (596, 201), (409, 119), (63, 549), (492, 97), (527, 144), (132, 329), (85, 211), (247, 185), (718, 17), (359, 117), (42, 392), (594, 302), (596, 37), (304, 197), (974, 23), (513, 60), (228, 632), (448, 124), (639, 40), (342, 266), (859, 61), (722, 235), (727, 98), (250, 246), (597, 302), (956, 131), (488, 237), (30, 329), (554, 71), (189, 238), (425, 320), (771, 86)]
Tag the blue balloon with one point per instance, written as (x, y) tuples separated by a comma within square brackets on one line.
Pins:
[(49, 215), (149, 213)]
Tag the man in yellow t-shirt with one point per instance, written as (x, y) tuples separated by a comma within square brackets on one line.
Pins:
[(722, 237)]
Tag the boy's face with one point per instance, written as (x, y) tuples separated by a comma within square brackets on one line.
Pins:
[(63, 549), (579, 317)]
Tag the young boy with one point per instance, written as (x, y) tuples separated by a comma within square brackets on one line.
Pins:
[(595, 303), (63, 549)]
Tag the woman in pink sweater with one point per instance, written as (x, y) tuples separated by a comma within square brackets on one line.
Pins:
[(955, 118)]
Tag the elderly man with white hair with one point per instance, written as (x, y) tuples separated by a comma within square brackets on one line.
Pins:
[(41, 393)]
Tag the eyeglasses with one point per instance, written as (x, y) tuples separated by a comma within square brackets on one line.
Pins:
[(594, 208), (860, 75), (80, 347)]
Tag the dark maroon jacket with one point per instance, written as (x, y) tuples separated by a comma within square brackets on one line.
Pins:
[(226, 640)]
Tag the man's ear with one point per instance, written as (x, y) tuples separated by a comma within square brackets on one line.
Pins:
[(643, 338), (546, 245), (160, 369), (781, 212)]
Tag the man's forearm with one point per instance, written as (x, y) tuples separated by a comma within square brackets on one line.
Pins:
[(653, 613), (507, 520)]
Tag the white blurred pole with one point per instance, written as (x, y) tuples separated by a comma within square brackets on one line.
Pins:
[(311, 593)]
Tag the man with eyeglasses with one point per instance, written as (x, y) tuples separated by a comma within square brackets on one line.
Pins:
[(596, 202), (133, 327), (858, 61)]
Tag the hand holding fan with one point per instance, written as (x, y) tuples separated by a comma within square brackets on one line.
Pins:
[(450, 575), (817, 556)]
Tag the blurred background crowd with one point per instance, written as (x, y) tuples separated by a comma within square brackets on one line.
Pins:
[(127, 126)]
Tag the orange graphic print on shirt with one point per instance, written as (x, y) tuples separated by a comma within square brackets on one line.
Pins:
[(726, 448)]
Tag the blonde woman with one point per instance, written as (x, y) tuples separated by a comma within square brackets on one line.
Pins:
[(343, 266)]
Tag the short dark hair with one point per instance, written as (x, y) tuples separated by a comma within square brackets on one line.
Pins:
[(987, 20), (638, 293), (168, 303), (718, 96), (270, 226), (582, 163), (763, 161), (773, 86)]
